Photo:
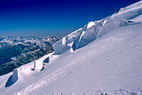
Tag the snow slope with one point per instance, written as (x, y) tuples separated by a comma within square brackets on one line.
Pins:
[(102, 58)]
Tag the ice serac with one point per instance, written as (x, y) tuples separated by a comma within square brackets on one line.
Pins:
[(104, 58), (17, 75), (124, 16), (90, 24), (38, 64), (85, 35), (79, 38)]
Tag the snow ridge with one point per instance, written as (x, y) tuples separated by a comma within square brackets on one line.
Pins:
[(102, 58), (90, 24)]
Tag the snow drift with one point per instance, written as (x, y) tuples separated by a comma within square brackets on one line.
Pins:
[(102, 58), (38, 64), (96, 29), (85, 35)]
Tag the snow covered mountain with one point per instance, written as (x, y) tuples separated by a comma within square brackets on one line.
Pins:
[(17, 51), (102, 58)]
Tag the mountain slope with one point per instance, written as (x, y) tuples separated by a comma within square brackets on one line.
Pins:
[(96, 29), (102, 58)]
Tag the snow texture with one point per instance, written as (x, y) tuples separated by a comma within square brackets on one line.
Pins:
[(102, 58)]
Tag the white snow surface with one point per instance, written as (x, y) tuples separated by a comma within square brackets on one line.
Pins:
[(90, 24), (102, 59)]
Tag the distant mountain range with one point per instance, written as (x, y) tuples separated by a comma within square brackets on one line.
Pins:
[(16, 51)]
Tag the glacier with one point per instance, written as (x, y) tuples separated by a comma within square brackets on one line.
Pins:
[(103, 57)]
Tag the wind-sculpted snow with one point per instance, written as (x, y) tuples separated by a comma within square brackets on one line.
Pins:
[(13, 78), (17, 51), (129, 12), (79, 38), (96, 29), (86, 35), (38, 64), (90, 24), (102, 58), (17, 75), (111, 25)]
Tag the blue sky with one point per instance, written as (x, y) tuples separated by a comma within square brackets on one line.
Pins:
[(52, 17)]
